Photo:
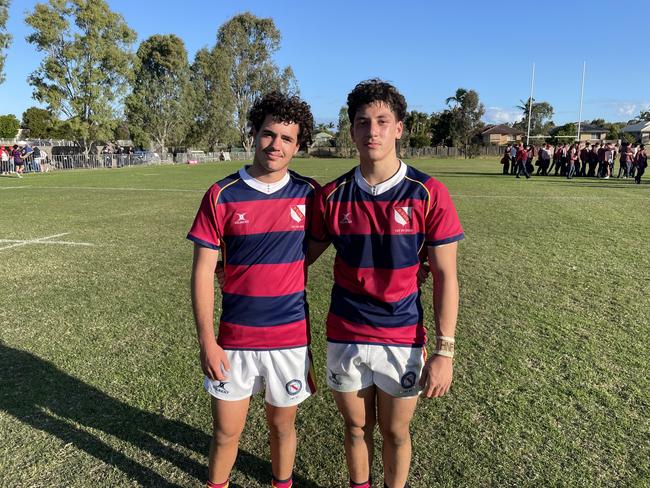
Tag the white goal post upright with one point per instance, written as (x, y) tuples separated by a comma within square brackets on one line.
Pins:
[(582, 92), (530, 103)]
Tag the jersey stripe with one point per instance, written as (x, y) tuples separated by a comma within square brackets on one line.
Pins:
[(287, 278), (379, 251), (203, 243), (346, 331), (269, 248), (448, 240), (236, 336), (263, 311), (390, 285), (363, 309)]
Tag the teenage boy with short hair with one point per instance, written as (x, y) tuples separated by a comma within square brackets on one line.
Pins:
[(383, 217), (257, 219)]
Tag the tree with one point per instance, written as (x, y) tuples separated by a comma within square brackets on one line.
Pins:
[(9, 126), (86, 66), (541, 114), (645, 115), (440, 124), (324, 127), (5, 37), (212, 103), (465, 123), (564, 133), (343, 139), (417, 129), (39, 121), (247, 44), (157, 109)]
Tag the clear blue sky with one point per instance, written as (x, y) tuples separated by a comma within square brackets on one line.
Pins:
[(428, 49)]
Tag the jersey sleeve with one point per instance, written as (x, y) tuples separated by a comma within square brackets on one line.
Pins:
[(318, 230), (207, 229), (442, 223)]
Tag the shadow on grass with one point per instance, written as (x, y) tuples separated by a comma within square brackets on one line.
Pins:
[(42, 396), (460, 174), (609, 185)]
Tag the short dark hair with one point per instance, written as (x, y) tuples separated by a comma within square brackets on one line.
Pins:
[(283, 108), (373, 91)]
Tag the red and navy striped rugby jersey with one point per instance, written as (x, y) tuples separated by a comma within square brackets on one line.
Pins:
[(260, 230), (379, 234)]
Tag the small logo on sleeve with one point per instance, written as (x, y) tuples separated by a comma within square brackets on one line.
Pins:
[(293, 387)]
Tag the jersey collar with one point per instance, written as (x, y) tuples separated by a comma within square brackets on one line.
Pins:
[(266, 188), (384, 186)]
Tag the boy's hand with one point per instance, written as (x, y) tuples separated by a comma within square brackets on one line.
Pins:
[(436, 376), (423, 273), (214, 362), (221, 277)]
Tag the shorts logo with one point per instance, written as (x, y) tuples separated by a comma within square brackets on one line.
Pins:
[(346, 219), (297, 213), (403, 215), (334, 378), (293, 387), (220, 386), (408, 380), (241, 218)]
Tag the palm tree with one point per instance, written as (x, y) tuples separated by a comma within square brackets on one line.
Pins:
[(458, 98)]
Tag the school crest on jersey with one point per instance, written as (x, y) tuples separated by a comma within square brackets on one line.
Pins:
[(297, 213), (403, 215)]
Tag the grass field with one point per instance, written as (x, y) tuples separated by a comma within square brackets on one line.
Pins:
[(100, 383)]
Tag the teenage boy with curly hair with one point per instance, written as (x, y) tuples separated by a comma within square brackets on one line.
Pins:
[(383, 218), (257, 219)]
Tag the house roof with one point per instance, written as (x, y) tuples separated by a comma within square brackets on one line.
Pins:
[(502, 129), (592, 128), (643, 126)]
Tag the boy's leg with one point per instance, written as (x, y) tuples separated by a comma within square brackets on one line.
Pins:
[(228, 419), (282, 435), (394, 417), (358, 411)]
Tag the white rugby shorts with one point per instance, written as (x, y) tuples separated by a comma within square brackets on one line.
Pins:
[(286, 373), (395, 370)]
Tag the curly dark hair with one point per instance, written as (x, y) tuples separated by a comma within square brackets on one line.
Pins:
[(283, 108), (376, 90)]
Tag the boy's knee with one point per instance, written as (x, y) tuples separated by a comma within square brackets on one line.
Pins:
[(396, 435), (281, 429), (224, 434), (359, 430)]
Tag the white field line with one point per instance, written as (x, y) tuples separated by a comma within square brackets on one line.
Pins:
[(534, 197), (32, 241), (106, 188), (69, 243), (13, 187), (41, 240)]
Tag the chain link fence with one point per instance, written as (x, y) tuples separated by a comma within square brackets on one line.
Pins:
[(106, 161)]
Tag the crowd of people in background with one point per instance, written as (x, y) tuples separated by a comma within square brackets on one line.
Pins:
[(582, 159), (25, 159)]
